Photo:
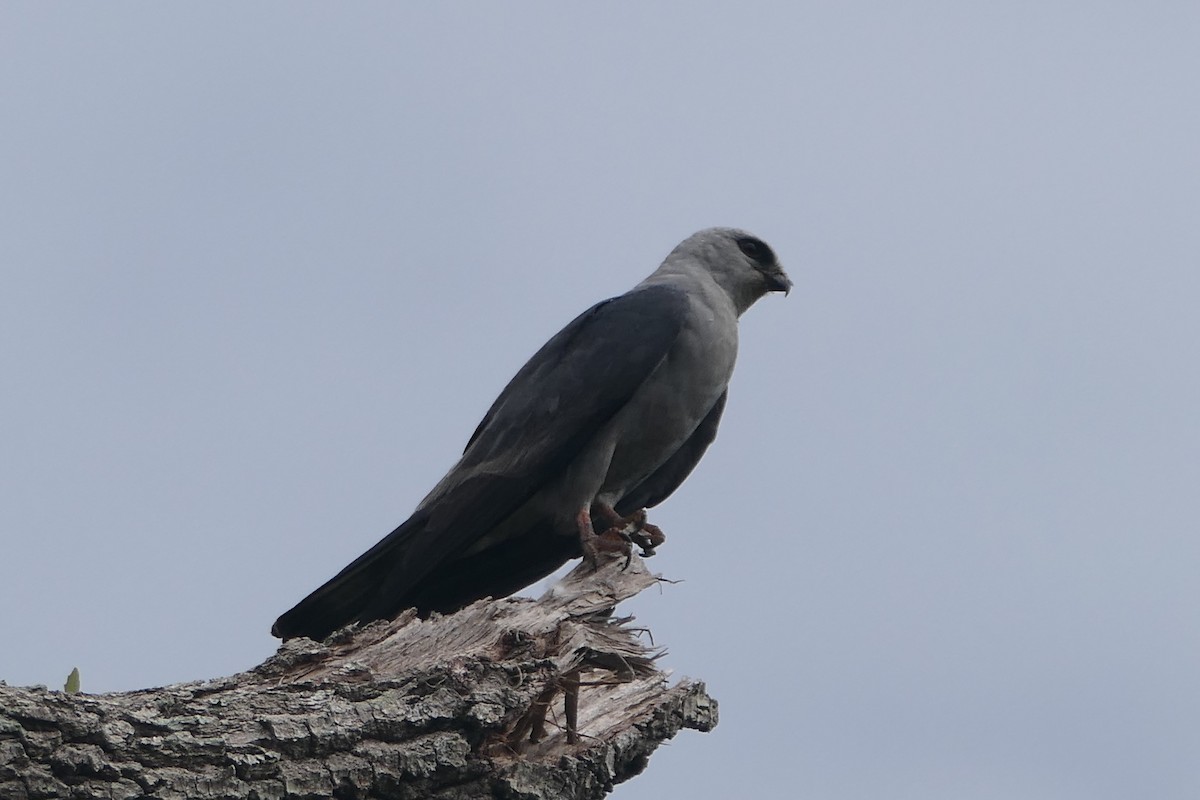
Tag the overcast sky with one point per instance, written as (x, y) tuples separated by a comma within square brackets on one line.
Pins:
[(266, 265)]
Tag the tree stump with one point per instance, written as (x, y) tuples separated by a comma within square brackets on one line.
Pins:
[(469, 705)]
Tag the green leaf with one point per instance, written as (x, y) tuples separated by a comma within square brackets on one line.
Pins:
[(72, 686)]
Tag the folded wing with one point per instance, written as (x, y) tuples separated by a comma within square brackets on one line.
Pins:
[(542, 420)]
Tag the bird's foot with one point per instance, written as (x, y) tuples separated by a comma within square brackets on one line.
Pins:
[(636, 530), (598, 546), (621, 535)]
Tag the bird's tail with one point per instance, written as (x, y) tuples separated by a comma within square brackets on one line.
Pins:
[(349, 596)]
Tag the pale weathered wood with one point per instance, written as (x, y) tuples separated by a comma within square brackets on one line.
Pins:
[(465, 706)]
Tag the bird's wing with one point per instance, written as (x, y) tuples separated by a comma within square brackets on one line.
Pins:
[(546, 414), (661, 483), (583, 376)]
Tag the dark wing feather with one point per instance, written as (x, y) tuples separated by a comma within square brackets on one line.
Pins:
[(583, 375), (661, 483), (498, 571), (546, 414)]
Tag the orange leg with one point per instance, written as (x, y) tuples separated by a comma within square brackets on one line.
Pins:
[(593, 544), (633, 529)]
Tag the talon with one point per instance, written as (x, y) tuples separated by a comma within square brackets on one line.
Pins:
[(612, 540), (648, 537), (620, 535)]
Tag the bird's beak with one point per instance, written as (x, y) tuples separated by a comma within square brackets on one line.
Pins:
[(778, 282)]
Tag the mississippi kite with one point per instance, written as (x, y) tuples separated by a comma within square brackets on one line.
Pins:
[(606, 420)]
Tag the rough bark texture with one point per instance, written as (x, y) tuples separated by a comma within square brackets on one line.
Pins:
[(469, 705)]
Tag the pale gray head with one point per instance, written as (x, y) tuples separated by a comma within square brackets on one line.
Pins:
[(743, 265)]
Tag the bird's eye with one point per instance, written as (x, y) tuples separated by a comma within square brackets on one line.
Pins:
[(754, 249)]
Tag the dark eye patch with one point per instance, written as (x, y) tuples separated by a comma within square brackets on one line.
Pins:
[(756, 250)]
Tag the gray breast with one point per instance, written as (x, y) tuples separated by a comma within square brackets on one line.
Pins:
[(670, 405)]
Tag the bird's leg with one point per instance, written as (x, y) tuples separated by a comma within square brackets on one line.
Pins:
[(633, 528), (593, 544)]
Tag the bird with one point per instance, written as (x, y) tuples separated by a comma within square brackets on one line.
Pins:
[(606, 420)]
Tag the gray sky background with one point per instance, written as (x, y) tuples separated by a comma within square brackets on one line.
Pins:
[(266, 265)]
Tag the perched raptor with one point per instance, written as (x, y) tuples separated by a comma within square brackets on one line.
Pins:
[(606, 420)]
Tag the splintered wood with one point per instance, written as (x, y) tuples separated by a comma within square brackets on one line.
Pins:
[(553, 698)]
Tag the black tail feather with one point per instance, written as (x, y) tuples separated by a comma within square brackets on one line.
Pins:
[(506, 567), (345, 597), (361, 592)]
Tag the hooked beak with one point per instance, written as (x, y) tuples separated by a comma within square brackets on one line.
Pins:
[(778, 282)]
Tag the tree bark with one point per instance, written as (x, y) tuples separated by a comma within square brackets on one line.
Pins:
[(470, 705)]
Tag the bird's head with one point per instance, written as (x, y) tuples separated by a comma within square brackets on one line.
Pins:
[(739, 262)]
